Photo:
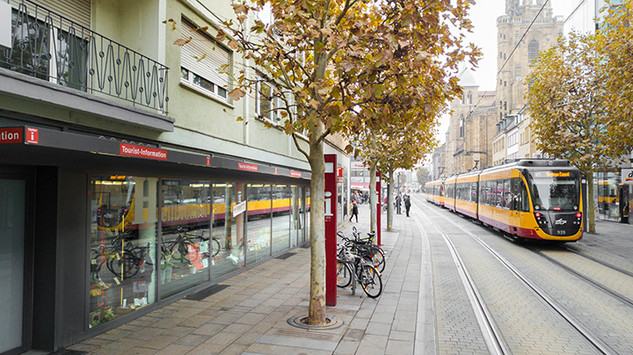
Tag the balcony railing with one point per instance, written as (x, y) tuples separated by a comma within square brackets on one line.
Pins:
[(51, 47)]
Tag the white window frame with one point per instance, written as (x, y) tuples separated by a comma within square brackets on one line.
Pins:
[(203, 72)]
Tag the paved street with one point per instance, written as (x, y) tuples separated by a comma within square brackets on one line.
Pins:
[(423, 309)]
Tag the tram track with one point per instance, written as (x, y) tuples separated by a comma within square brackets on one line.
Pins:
[(587, 279), (492, 335), (599, 261), (592, 339)]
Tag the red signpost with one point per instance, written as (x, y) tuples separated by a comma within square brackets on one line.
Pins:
[(330, 229), (378, 209)]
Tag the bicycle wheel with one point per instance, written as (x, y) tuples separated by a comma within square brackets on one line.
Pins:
[(378, 260), (127, 266), (370, 281), (180, 253), (215, 247), (343, 275)]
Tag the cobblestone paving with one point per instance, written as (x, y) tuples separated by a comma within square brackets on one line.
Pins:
[(601, 314), (423, 309), (457, 329)]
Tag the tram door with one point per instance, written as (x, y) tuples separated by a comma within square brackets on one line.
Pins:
[(12, 265)]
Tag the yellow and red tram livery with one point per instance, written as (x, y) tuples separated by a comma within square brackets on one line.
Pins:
[(449, 192), (529, 198), (466, 192), (434, 192)]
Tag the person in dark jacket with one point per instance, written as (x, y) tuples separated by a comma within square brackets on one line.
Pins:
[(354, 211), (407, 203), (397, 203)]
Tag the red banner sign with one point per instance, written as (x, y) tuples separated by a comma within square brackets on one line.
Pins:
[(11, 135), (247, 167), (32, 135), (296, 174), (142, 152)]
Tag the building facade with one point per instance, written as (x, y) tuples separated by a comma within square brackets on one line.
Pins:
[(126, 179), (472, 124), (517, 48)]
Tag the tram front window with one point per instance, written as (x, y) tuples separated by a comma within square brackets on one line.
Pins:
[(555, 190)]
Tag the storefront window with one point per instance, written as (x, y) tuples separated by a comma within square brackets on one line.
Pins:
[(122, 245), (606, 190), (281, 218), (259, 222), (185, 245), (227, 228)]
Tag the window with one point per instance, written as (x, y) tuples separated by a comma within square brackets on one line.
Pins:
[(267, 105), (43, 50), (205, 61), (123, 246), (185, 247), (533, 49)]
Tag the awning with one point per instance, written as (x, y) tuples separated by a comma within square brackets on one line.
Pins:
[(33, 137)]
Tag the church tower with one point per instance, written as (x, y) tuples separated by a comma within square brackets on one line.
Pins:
[(515, 53)]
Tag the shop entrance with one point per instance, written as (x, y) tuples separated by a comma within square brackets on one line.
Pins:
[(13, 271)]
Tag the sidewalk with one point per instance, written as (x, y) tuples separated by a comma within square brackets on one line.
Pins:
[(249, 315)]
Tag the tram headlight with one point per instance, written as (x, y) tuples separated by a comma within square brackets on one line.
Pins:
[(540, 219), (578, 220)]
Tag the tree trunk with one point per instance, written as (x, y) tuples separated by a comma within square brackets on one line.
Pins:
[(390, 201), (590, 208), (317, 229), (372, 198)]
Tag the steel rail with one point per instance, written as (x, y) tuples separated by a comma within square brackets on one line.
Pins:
[(589, 280), (571, 320), (602, 262), (492, 336)]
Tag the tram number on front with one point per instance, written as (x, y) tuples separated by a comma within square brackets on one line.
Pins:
[(560, 232)]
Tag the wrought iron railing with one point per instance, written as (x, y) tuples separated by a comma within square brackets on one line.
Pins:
[(51, 47)]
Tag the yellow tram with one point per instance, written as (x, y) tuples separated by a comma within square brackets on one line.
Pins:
[(527, 198)]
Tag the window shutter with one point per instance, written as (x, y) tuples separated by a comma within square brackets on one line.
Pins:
[(77, 11), (211, 67)]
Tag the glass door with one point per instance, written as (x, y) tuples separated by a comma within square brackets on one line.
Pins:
[(12, 272)]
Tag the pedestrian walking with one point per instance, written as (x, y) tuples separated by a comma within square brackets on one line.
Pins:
[(354, 211), (407, 203), (397, 203)]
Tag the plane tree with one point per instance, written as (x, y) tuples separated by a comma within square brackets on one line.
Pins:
[(324, 59), (568, 101)]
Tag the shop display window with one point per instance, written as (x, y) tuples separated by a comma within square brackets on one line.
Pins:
[(122, 245), (259, 210), (281, 218), (228, 211), (186, 244)]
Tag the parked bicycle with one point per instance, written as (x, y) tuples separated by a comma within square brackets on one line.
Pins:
[(372, 251), (354, 267), (122, 257), (177, 249)]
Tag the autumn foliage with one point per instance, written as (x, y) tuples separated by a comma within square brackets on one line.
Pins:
[(348, 66), (580, 98)]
